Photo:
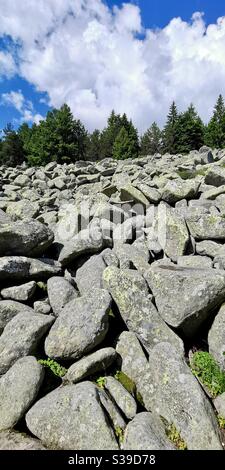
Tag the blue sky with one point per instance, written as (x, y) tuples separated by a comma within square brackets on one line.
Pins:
[(98, 60)]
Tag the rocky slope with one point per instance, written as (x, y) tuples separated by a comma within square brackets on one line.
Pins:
[(116, 272)]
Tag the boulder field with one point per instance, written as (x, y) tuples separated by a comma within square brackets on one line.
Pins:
[(112, 276)]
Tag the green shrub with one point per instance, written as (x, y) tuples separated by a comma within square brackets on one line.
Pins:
[(205, 367), (54, 366)]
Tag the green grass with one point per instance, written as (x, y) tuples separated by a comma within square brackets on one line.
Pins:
[(204, 366), (54, 366)]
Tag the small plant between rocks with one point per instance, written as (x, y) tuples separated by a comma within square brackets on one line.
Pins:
[(54, 366), (221, 422), (119, 434), (206, 369), (175, 437)]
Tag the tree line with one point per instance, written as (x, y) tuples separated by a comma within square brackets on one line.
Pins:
[(60, 137)]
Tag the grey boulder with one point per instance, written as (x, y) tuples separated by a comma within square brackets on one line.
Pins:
[(91, 364), (81, 326), (21, 337), (30, 238), (18, 389), (71, 418), (146, 432), (60, 292)]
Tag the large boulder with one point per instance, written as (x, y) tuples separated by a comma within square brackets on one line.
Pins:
[(206, 226), (201, 291), (22, 293), (146, 432), (121, 396), (30, 238), (81, 326), (9, 309), (89, 275), (21, 337), (18, 389), (130, 292), (176, 190), (71, 418)]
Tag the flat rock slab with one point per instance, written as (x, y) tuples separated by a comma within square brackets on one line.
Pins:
[(201, 290), (90, 365), (81, 327), (21, 337), (146, 432), (18, 389), (71, 417), (176, 190), (206, 226), (130, 292), (89, 276)]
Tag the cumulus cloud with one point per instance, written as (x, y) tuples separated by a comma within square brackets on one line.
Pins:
[(7, 64), (23, 106), (97, 59)]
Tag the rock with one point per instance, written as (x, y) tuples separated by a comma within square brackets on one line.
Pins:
[(61, 419), (23, 209), (81, 326), (194, 262), (21, 337), (19, 387), (90, 365), (146, 432), (87, 241), (89, 276), (216, 337), (21, 293), (176, 190), (130, 292), (136, 255), (42, 307), (215, 176), (206, 226), (209, 248), (18, 268), (152, 194), (121, 396), (129, 192), (22, 180), (13, 440), (219, 404), (173, 234), (60, 292), (9, 309), (30, 238), (112, 410), (202, 291), (135, 365), (170, 388)]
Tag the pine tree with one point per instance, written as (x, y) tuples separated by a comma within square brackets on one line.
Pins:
[(215, 131), (151, 141), (190, 131), (109, 134), (58, 138), (169, 135), (126, 144), (11, 151), (94, 146)]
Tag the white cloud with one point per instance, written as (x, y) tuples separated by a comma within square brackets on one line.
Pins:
[(92, 57), (23, 106), (7, 64)]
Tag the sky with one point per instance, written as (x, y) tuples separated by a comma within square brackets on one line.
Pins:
[(98, 55)]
